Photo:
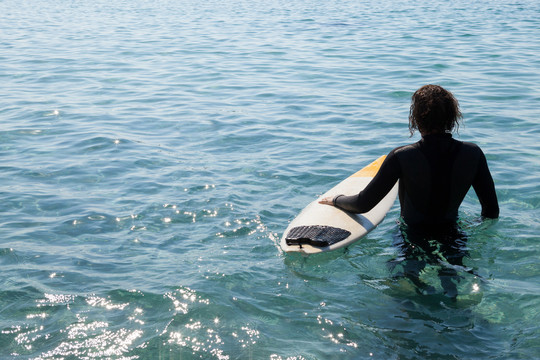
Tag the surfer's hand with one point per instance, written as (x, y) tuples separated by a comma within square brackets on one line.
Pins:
[(327, 201)]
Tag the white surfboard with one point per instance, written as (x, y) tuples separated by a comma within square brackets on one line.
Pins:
[(320, 228)]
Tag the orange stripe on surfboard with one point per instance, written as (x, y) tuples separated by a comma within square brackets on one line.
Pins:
[(371, 169)]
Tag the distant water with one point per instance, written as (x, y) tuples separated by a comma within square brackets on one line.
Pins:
[(153, 152)]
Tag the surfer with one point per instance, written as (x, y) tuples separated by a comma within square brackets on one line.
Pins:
[(434, 175)]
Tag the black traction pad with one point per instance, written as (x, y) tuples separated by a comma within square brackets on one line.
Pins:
[(316, 235)]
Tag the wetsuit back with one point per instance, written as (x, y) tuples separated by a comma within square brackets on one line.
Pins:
[(434, 176)]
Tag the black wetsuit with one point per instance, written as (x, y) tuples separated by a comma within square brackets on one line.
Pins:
[(434, 176)]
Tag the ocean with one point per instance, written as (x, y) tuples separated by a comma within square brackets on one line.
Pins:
[(153, 152)]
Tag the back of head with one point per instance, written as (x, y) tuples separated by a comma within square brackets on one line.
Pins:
[(433, 110)]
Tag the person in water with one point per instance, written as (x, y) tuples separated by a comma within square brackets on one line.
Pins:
[(434, 176)]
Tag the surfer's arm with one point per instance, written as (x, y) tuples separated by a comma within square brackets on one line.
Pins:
[(485, 190), (376, 190)]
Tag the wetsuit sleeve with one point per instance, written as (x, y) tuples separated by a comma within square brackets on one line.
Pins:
[(485, 190), (375, 191)]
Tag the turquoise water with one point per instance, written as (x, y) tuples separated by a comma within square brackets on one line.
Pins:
[(153, 152)]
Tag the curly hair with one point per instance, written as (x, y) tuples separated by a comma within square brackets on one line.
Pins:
[(434, 110)]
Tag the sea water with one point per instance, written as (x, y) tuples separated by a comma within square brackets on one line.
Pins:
[(153, 152)]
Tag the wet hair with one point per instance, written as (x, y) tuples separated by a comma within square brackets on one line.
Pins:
[(434, 110)]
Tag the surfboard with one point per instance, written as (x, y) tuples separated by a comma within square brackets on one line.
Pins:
[(319, 228)]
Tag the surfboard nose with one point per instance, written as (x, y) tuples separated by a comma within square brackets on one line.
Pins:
[(316, 235)]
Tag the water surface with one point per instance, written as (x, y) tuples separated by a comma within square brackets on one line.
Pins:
[(154, 152)]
